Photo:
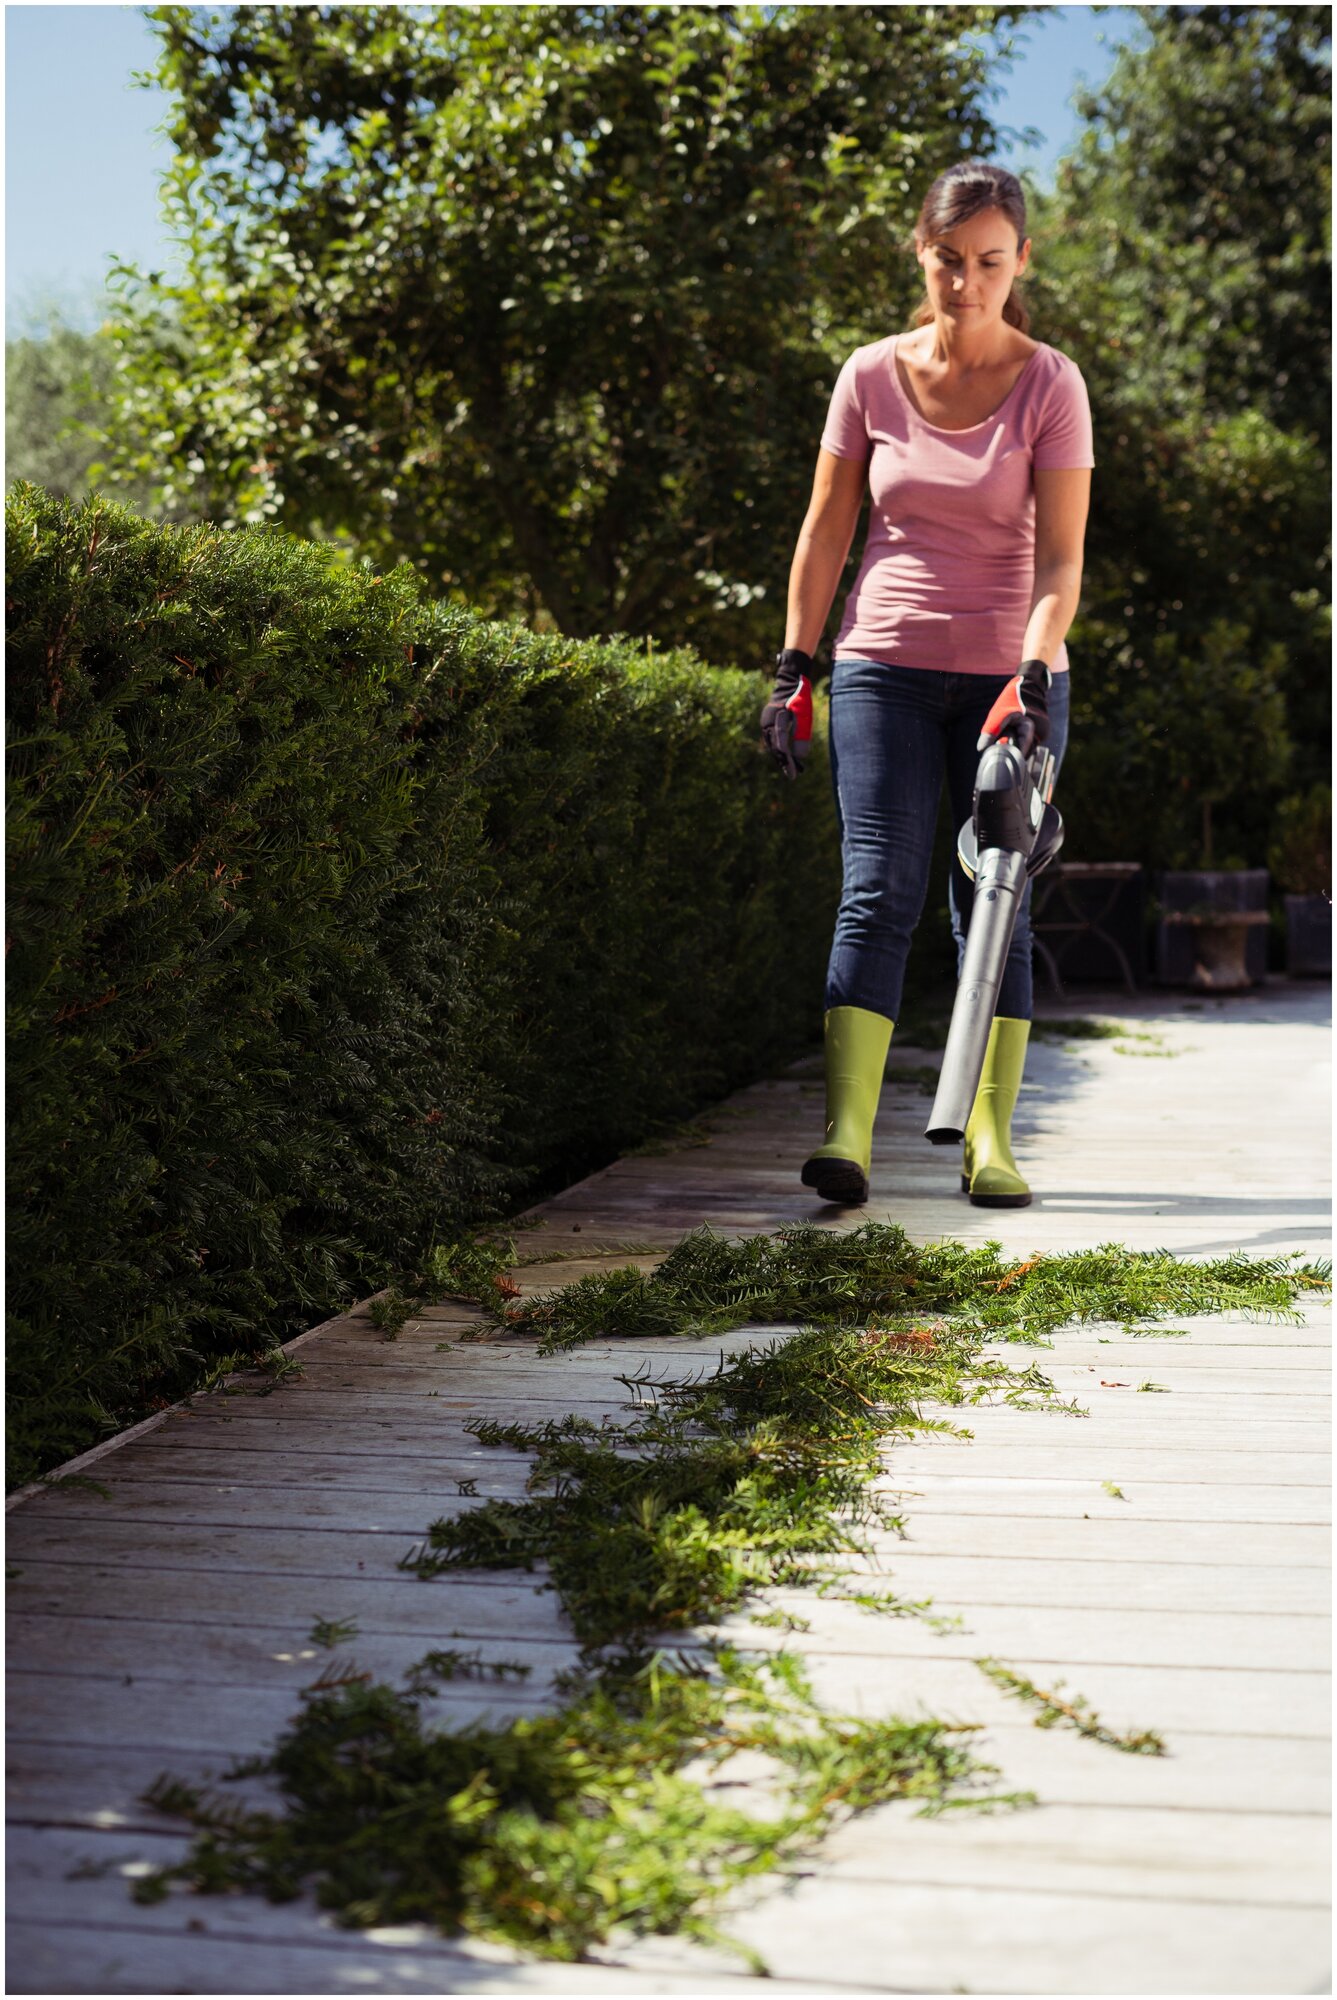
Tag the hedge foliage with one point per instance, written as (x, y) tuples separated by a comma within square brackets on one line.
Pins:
[(338, 920)]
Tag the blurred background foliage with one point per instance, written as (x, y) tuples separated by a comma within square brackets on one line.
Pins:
[(549, 301), (1185, 263)]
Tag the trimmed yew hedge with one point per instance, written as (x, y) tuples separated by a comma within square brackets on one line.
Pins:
[(339, 920)]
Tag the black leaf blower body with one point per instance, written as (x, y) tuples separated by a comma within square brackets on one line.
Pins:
[(1014, 830)]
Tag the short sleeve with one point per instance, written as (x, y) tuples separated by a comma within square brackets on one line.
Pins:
[(1064, 437), (845, 432)]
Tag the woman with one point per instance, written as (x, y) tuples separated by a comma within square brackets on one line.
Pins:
[(975, 443)]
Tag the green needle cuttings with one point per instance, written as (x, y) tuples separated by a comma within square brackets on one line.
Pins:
[(759, 1474)]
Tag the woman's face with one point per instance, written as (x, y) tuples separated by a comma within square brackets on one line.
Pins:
[(969, 270)]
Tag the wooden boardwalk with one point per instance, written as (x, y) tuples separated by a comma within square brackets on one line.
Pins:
[(166, 1626)]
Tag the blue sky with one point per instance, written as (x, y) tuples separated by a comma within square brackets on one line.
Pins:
[(83, 160)]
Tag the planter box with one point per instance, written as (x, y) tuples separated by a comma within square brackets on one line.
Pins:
[(1308, 936), (1088, 920), (1212, 933)]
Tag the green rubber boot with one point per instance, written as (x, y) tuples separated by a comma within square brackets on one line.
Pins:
[(991, 1178), (856, 1055)]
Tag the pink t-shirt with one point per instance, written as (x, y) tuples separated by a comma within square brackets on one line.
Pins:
[(949, 564)]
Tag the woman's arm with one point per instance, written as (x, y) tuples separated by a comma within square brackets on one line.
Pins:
[(838, 489), (1062, 497)]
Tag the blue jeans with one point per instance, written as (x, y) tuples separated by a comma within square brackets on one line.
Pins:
[(895, 732)]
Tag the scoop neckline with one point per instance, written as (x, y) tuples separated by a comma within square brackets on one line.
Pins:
[(962, 430)]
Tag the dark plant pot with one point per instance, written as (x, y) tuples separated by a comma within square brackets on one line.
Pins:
[(1212, 934), (1308, 936), (1088, 920)]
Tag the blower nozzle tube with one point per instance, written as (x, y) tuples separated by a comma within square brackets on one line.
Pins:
[(1012, 833), (999, 881)]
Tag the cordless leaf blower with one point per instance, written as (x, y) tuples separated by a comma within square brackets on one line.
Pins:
[(1013, 832)]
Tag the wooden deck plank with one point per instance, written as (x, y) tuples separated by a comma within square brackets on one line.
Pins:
[(55, 1782), (333, 1503), (1182, 1591), (320, 1479), (1263, 1857), (124, 1959), (398, 1449), (920, 1938), (479, 1606), (425, 1418), (1163, 1582), (1270, 1858), (430, 1423), (41, 1895), (499, 1374), (1003, 1492), (207, 1547), (1241, 1369), (902, 1676)]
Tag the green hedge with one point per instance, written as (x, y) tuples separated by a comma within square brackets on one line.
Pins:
[(339, 920)]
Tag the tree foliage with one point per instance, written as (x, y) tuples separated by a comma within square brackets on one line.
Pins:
[(1186, 265), (547, 299), (60, 386), (1209, 153)]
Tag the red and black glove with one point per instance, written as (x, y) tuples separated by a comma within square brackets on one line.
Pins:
[(1021, 710), (786, 720)]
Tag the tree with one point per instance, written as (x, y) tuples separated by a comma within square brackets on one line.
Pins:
[(1205, 169), (1185, 263), (61, 399), (59, 387), (548, 300)]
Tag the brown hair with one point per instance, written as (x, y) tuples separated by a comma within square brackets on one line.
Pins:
[(961, 192)]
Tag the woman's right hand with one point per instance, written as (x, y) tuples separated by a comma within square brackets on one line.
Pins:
[(786, 720)]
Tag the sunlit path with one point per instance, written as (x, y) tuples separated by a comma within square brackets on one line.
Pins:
[(166, 1625)]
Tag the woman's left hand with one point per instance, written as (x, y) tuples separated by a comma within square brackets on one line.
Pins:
[(1021, 710)]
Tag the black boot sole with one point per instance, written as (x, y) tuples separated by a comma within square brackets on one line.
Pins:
[(994, 1200), (841, 1181)]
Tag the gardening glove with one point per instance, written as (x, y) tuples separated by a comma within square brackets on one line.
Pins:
[(786, 720), (1021, 710)]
